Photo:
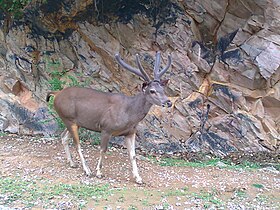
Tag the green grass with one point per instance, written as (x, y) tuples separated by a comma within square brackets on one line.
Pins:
[(177, 192), (132, 207), (259, 186), (208, 197), (45, 194), (241, 193), (2, 134), (214, 162), (29, 193)]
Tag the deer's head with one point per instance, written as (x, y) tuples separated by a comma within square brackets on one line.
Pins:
[(153, 89)]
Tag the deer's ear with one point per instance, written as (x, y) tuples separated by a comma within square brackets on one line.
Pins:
[(164, 82), (144, 86)]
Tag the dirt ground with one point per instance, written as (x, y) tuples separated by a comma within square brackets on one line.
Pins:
[(236, 189)]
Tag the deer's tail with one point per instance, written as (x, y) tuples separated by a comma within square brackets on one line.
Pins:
[(50, 94)]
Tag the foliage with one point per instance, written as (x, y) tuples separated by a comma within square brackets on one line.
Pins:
[(56, 84), (13, 7)]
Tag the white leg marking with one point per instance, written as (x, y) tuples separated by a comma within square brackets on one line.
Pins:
[(130, 141), (65, 142), (99, 165), (84, 163)]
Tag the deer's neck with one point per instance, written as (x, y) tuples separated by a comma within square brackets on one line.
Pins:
[(139, 106)]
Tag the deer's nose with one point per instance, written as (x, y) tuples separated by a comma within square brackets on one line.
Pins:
[(168, 103)]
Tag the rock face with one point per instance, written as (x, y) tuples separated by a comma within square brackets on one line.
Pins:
[(224, 81)]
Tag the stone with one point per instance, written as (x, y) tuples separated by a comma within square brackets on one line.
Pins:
[(3, 123), (269, 60)]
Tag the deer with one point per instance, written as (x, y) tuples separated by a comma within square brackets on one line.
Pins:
[(111, 114)]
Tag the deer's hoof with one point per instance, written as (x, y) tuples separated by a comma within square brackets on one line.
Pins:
[(73, 165), (88, 172), (139, 180), (99, 175)]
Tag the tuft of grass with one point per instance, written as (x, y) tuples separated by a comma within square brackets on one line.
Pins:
[(2, 134), (208, 197), (240, 193), (177, 192), (259, 186), (132, 207)]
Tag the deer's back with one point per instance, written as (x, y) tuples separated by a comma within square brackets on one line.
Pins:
[(84, 106)]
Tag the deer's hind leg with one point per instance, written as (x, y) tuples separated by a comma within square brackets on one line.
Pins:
[(73, 129), (105, 137), (65, 135)]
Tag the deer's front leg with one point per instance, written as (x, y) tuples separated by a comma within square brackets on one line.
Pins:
[(130, 142)]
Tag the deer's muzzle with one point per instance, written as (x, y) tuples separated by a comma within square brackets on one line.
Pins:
[(168, 103)]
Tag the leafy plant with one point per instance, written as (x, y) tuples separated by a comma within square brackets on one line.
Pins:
[(56, 84), (14, 8)]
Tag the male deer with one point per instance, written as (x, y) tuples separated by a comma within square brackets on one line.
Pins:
[(112, 114)]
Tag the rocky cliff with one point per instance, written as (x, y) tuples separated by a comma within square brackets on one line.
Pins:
[(224, 80)]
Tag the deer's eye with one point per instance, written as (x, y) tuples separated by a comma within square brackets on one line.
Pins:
[(152, 91)]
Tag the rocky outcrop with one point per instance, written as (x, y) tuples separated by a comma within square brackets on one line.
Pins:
[(224, 80)]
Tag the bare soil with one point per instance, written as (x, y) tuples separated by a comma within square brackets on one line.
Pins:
[(236, 189)]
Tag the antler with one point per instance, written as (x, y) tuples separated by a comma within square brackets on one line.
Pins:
[(142, 69), (140, 72), (157, 72)]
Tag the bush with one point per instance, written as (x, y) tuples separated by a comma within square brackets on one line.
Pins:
[(14, 8)]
